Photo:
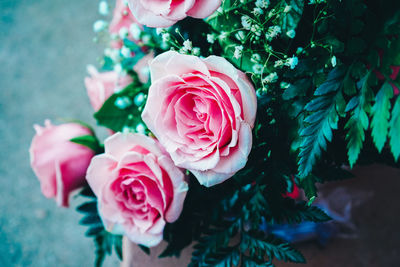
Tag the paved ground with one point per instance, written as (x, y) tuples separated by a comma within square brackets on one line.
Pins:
[(44, 48)]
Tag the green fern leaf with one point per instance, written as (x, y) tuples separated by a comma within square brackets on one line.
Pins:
[(394, 132), (359, 121), (257, 245), (381, 115), (320, 123)]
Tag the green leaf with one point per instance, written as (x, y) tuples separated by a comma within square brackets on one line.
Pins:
[(116, 118), (298, 88), (89, 141), (144, 249), (380, 115), (319, 125), (308, 185), (359, 122), (394, 132), (88, 207), (255, 243)]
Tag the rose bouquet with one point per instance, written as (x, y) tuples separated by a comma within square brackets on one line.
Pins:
[(217, 112)]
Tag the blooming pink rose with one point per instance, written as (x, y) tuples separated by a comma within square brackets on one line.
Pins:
[(202, 111), (100, 86), (164, 13), (59, 164), (142, 67), (138, 187)]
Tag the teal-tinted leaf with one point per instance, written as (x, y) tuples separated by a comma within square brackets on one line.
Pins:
[(89, 141), (308, 185), (394, 132), (93, 231), (88, 207), (381, 115), (359, 122), (354, 101), (116, 118), (298, 88), (144, 249), (92, 219)]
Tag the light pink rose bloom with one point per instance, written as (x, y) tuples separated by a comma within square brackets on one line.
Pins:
[(59, 164), (122, 17), (142, 67), (164, 13), (202, 111), (101, 85), (138, 187)]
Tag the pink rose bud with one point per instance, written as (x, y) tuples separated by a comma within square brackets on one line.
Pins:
[(162, 14), (202, 111), (100, 86), (142, 67), (59, 164), (138, 187), (122, 17)]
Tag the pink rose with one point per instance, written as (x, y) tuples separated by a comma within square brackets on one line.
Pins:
[(100, 86), (164, 13), (122, 17), (59, 164), (202, 111), (138, 187), (142, 67)]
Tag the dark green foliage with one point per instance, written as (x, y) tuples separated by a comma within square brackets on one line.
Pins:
[(380, 115), (89, 141), (359, 122), (394, 132), (323, 118), (258, 245), (104, 241), (117, 117)]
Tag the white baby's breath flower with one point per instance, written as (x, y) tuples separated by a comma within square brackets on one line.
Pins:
[(262, 3), (135, 31), (126, 52), (271, 78), (166, 37), (292, 62), (240, 35), (333, 61), (258, 68), (211, 38), (255, 58), (291, 33), (196, 51), (187, 45), (123, 33), (238, 51), (278, 63), (246, 22), (103, 8), (140, 128), (257, 11), (99, 25)]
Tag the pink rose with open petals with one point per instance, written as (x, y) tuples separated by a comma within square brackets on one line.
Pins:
[(59, 164), (202, 111), (101, 85), (138, 187), (164, 13)]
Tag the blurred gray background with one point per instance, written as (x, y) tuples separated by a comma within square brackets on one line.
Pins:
[(45, 46)]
